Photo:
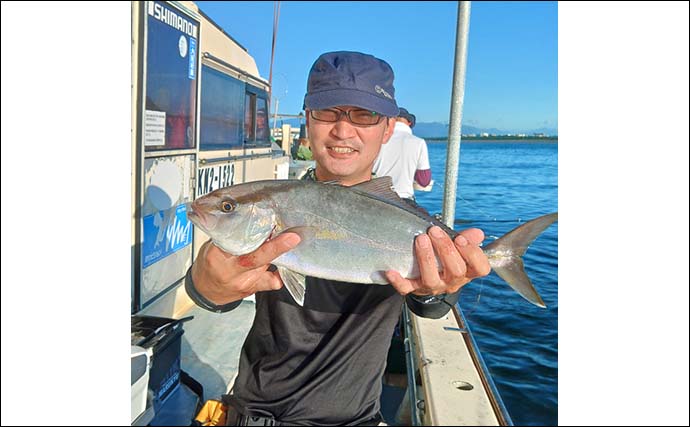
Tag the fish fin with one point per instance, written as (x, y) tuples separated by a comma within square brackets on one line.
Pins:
[(505, 256), (295, 283), (381, 187), (514, 274)]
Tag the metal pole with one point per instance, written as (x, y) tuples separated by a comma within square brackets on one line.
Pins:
[(276, 18), (457, 99), (275, 118)]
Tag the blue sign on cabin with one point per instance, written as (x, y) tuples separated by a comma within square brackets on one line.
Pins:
[(165, 232), (192, 59)]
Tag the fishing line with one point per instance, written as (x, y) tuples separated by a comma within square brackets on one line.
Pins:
[(492, 218), (489, 217), (474, 306)]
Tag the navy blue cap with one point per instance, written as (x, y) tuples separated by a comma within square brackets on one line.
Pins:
[(351, 78), (407, 116)]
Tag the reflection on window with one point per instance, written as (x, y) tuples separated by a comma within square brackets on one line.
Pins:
[(249, 106), (170, 81), (261, 120), (256, 127), (221, 110)]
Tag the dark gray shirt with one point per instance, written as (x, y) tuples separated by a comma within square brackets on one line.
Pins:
[(320, 364)]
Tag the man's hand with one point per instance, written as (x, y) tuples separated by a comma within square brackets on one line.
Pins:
[(462, 260), (223, 278)]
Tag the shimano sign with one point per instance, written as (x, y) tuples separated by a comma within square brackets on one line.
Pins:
[(167, 16)]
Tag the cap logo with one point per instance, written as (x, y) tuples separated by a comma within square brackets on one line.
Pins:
[(382, 91)]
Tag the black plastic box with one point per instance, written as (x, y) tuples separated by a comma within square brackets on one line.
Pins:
[(164, 336)]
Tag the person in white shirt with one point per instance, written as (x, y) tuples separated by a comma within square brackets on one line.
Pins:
[(404, 158)]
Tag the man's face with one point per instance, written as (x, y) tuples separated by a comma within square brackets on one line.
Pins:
[(346, 152)]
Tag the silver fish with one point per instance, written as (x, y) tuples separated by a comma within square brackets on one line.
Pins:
[(350, 234)]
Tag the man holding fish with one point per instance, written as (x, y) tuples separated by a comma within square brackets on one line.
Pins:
[(317, 350)]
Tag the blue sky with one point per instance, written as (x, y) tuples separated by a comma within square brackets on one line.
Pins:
[(512, 65)]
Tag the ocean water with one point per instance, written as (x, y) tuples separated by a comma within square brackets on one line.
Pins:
[(501, 185)]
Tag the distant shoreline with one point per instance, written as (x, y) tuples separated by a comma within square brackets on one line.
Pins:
[(527, 140)]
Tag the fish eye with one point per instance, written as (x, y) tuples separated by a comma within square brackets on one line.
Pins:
[(227, 206)]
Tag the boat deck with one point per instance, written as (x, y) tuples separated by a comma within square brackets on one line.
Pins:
[(211, 346)]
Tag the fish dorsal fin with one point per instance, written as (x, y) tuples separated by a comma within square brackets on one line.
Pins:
[(380, 187)]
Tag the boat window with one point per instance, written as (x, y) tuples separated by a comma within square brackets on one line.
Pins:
[(221, 110), (249, 124), (261, 120), (256, 126), (171, 66)]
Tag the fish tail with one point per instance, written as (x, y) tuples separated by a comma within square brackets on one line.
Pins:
[(505, 256)]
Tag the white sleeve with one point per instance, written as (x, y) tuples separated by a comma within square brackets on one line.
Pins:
[(423, 163)]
